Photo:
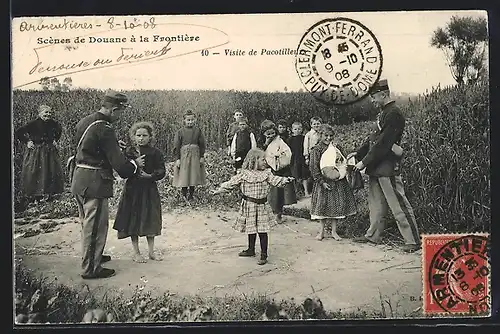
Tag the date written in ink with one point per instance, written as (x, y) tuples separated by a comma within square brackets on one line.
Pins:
[(131, 23)]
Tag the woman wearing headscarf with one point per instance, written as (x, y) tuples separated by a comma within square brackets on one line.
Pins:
[(42, 173)]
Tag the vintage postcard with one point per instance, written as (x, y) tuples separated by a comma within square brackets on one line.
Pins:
[(245, 167)]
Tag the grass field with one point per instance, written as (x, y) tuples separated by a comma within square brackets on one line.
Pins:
[(446, 167)]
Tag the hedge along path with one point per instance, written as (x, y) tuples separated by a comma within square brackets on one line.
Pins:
[(446, 169)]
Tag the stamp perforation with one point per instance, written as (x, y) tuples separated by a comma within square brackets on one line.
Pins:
[(434, 244)]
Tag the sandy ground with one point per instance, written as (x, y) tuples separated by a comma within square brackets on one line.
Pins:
[(201, 257)]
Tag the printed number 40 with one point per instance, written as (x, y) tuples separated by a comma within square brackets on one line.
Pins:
[(204, 52)]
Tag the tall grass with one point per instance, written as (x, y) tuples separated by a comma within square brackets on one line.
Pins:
[(446, 167)]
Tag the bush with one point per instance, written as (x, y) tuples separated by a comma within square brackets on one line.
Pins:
[(39, 300), (165, 108), (446, 168)]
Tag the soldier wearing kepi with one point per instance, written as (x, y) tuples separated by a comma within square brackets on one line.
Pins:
[(381, 155), (97, 154)]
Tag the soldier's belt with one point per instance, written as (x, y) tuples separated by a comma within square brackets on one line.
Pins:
[(87, 166)]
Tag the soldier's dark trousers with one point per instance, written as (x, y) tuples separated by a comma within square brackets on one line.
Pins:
[(94, 217)]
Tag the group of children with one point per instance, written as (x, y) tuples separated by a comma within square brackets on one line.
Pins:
[(268, 175), (240, 140), (269, 168)]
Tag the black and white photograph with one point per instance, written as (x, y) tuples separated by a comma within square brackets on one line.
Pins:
[(251, 167)]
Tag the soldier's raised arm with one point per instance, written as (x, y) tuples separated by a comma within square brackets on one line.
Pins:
[(119, 162)]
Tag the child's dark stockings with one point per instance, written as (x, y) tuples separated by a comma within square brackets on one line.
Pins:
[(251, 241), (263, 243), (184, 191)]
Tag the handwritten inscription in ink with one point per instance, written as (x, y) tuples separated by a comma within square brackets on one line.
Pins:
[(126, 55), (64, 46), (67, 24)]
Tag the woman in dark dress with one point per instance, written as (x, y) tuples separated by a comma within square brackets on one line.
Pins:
[(41, 172), (139, 210)]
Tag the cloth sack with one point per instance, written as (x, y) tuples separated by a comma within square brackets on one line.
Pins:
[(354, 178), (333, 164)]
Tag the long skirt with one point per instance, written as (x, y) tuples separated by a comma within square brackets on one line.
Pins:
[(278, 197), (139, 210), (299, 169), (339, 202), (191, 172), (42, 173)]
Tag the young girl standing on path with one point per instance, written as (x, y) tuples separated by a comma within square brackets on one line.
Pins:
[(189, 149), (255, 181), (278, 157), (139, 210), (332, 197), (298, 164)]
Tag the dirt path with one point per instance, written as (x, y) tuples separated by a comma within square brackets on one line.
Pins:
[(200, 257)]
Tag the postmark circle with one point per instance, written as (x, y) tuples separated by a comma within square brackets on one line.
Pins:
[(458, 275), (338, 60)]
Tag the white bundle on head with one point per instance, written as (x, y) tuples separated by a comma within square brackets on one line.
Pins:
[(333, 163)]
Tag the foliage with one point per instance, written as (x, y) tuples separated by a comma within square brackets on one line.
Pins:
[(41, 300), (218, 167), (446, 167), (165, 109), (464, 41), (447, 164), (55, 85)]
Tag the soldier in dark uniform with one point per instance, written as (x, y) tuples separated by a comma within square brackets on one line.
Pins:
[(92, 182), (382, 162)]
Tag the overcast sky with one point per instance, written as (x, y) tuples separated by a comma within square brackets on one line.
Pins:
[(410, 63)]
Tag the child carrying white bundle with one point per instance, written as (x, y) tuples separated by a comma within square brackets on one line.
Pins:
[(333, 164), (332, 197)]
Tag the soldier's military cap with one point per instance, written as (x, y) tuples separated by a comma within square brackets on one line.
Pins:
[(116, 98), (380, 86), (189, 112)]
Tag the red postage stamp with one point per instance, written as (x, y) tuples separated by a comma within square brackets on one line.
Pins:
[(456, 274)]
